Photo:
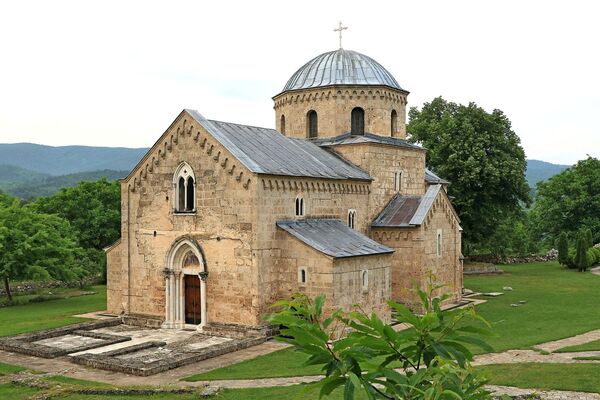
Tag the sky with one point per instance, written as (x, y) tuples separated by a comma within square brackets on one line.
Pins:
[(117, 73)]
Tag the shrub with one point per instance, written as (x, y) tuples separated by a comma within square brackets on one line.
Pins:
[(563, 249), (593, 255), (581, 255), (432, 356)]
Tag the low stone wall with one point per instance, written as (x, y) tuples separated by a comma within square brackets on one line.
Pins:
[(488, 258), (25, 343), (32, 286), (125, 360), (480, 268)]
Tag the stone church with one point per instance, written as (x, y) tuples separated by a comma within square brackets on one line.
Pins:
[(220, 220)]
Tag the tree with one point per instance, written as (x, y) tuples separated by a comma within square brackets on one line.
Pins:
[(563, 249), (6, 200), (581, 257), (92, 208), (569, 202), (433, 356), (94, 211), (589, 241), (480, 155), (36, 246)]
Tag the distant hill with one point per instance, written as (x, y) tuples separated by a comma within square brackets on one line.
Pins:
[(10, 174), (31, 170), (48, 185), (69, 159), (541, 171)]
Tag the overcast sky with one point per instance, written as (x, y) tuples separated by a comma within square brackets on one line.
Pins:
[(116, 73)]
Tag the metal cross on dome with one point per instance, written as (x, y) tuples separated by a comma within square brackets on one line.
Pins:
[(339, 29)]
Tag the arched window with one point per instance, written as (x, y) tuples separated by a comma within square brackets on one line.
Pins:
[(184, 182), (312, 124), (358, 121), (351, 218), (282, 124), (364, 278), (302, 276), (398, 181), (439, 243), (299, 207), (394, 122)]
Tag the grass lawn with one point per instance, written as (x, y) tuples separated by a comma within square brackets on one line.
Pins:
[(560, 303), (305, 391), (576, 377), (50, 314), (6, 369), (280, 363), (590, 346)]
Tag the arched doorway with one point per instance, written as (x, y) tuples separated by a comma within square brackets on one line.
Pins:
[(185, 285)]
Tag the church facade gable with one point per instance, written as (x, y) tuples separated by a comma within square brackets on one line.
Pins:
[(221, 221)]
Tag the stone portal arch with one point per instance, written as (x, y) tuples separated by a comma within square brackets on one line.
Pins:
[(185, 274)]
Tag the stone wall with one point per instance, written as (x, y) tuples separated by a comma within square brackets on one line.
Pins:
[(339, 279), (277, 195), (334, 107), (416, 256), (224, 228), (446, 268), (382, 162), (348, 289)]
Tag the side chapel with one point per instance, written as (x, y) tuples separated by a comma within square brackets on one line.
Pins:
[(220, 220)]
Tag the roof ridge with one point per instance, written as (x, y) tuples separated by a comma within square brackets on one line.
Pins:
[(238, 124)]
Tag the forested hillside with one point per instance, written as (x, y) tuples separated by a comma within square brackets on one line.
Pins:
[(48, 185), (68, 159)]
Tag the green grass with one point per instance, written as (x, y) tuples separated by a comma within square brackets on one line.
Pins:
[(16, 392), (77, 382), (590, 358), (280, 363), (576, 377), (7, 369), (303, 391), (50, 314), (560, 303), (590, 346)]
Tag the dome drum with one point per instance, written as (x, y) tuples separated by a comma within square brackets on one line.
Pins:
[(330, 86)]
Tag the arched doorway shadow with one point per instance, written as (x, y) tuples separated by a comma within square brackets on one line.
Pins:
[(185, 285)]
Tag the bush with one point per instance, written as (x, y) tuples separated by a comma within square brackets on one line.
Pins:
[(593, 255), (581, 255), (433, 355), (563, 249), (571, 259)]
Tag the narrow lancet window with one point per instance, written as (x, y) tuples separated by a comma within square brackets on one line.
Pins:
[(312, 124), (358, 121)]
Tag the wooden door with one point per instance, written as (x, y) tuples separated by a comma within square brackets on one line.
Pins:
[(192, 299)]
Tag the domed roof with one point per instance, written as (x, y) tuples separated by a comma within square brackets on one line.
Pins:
[(341, 67)]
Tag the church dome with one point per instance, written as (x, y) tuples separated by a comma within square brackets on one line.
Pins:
[(341, 67)]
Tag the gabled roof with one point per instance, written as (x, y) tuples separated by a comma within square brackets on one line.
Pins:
[(348, 138), (407, 211), (431, 177), (333, 237), (266, 151)]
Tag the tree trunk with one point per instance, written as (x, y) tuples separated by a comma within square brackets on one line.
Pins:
[(7, 288)]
